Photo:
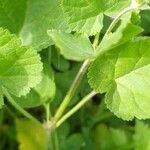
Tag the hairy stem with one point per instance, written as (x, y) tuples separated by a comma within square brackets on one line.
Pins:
[(133, 6), (18, 107), (72, 90), (76, 108)]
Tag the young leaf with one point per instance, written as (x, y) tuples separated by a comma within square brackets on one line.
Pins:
[(124, 73), (73, 47), (86, 16), (31, 136), (141, 136), (125, 32), (20, 67), (43, 92)]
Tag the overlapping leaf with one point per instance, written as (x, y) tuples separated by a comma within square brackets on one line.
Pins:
[(124, 73), (74, 47), (126, 31), (31, 19), (41, 16), (85, 16), (20, 67), (43, 92)]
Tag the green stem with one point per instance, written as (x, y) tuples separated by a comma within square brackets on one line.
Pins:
[(76, 108), (133, 6), (18, 107), (54, 140), (47, 111), (86, 64), (72, 90)]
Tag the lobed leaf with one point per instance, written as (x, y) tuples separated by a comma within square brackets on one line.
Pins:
[(20, 67), (86, 16), (73, 47), (41, 16), (31, 19), (124, 74), (42, 93)]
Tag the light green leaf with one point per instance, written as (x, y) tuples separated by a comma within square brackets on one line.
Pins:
[(43, 92), (141, 136), (85, 16), (20, 67), (41, 16), (125, 32), (73, 47), (31, 19), (124, 73), (31, 136), (12, 14)]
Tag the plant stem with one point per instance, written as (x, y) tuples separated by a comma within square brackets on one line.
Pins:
[(47, 111), (86, 64), (54, 140), (133, 6), (72, 90), (76, 108), (18, 107)]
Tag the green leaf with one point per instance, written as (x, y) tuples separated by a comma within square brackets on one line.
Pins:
[(43, 92), (145, 20), (12, 14), (73, 47), (125, 32), (1, 99), (141, 136), (31, 19), (74, 142), (86, 16), (59, 62), (20, 67), (41, 16), (106, 138), (124, 73), (31, 136)]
